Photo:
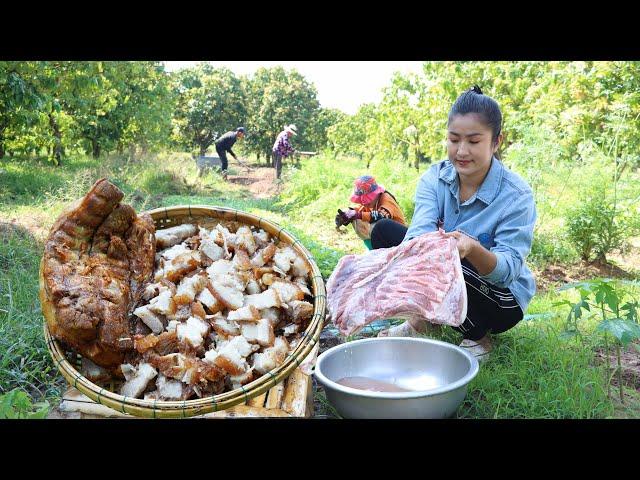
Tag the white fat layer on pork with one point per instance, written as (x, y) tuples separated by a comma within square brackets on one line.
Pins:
[(137, 379), (267, 299), (163, 303), (168, 237), (192, 331), (173, 252), (247, 314), (260, 332), (211, 249), (149, 318)]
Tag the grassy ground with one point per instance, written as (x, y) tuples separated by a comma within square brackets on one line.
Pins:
[(534, 373)]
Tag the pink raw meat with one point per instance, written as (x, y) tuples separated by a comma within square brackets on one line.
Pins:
[(420, 279)]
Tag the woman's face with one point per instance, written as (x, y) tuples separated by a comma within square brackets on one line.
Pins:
[(469, 145)]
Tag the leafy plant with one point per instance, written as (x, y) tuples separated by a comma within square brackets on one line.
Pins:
[(17, 404), (617, 319)]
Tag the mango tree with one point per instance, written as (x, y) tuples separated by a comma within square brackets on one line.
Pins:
[(210, 102)]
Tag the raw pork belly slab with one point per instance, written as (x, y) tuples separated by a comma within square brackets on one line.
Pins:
[(420, 279)]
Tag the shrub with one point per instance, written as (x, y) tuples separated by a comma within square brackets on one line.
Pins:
[(597, 227)]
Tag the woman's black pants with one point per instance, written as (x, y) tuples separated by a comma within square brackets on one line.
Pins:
[(490, 309)]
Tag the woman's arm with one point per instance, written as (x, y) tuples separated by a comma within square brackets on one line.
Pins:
[(425, 214), (513, 238)]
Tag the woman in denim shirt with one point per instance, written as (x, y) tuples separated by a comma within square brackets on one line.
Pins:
[(491, 213)]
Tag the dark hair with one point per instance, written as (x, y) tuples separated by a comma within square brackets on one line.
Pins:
[(240, 129), (474, 101)]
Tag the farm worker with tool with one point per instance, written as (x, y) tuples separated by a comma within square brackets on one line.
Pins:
[(282, 147), (224, 144), (375, 203), (489, 210)]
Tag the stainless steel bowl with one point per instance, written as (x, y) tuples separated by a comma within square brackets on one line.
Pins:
[(437, 373)]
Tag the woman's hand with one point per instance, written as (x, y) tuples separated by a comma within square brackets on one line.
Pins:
[(465, 243)]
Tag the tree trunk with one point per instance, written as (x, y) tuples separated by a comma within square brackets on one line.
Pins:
[(2, 150), (58, 150), (203, 150), (95, 148)]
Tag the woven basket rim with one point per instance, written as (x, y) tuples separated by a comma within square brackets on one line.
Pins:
[(222, 401)]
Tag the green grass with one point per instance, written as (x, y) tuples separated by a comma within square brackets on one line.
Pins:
[(534, 372)]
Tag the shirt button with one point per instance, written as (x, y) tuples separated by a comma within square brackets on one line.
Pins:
[(457, 211)]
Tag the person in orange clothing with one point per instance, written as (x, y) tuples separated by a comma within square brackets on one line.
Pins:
[(375, 203)]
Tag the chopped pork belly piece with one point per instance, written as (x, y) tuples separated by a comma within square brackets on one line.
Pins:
[(163, 303), (300, 311), (272, 357), (198, 310), (137, 379), (245, 314), (211, 249), (231, 297), (173, 252), (181, 314), (172, 325), (263, 256), (189, 287), (241, 261), (193, 331), (220, 267), (253, 287), (208, 300), (284, 257), (162, 344), (300, 267), (262, 238), (228, 238), (267, 279), (266, 361), (179, 266), (168, 237), (288, 291), (149, 318), (169, 389), (224, 327), (271, 314), (245, 240), (243, 347), (291, 329), (267, 299), (210, 356), (302, 283), (260, 332), (230, 360), (238, 380)]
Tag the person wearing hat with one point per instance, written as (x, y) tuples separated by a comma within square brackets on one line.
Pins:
[(282, 147), (375, 203), (224, 144)]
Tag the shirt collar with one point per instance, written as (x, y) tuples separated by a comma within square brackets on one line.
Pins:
[(490, 186)]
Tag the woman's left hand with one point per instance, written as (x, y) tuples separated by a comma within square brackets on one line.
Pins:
[(464, 243)]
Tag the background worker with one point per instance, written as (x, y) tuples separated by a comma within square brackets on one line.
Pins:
[(282, 147), (224, 144)]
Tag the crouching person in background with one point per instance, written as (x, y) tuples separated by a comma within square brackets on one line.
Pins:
[(375, 204)]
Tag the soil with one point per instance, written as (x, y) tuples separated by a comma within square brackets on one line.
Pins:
[(260, 179)]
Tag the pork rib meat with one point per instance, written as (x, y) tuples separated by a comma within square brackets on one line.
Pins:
[(419, 279)]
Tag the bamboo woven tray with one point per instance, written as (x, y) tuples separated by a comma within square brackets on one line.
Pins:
[(293, 397), (67, 361)]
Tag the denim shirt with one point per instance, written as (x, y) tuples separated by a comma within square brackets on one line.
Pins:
[(500, 215)]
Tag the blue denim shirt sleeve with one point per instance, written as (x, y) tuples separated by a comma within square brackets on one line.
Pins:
[(513, 238), (425, 215)]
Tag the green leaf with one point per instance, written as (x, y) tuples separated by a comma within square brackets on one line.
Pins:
[(623, 330), (568, 334)]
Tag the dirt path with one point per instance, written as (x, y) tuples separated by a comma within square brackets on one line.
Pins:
[(260, 180)]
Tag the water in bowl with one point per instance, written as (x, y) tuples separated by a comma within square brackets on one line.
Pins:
[(370, 384)]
